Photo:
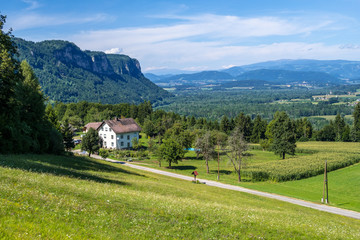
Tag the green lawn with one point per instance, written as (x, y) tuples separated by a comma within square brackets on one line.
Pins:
[(59, 197)]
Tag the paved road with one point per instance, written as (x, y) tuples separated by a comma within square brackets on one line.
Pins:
[(321, 207)]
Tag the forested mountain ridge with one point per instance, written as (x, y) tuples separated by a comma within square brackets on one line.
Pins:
[(318, 73), (337, 68), (288, 77), (68, 74)]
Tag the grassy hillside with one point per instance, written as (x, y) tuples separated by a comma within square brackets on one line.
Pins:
[(56, 197)]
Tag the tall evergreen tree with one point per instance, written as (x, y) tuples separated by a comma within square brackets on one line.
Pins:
[(23, 124), (356, 128), (339, 127), (10, 78), (225, 125), (67, 136), (259, 129), (283, 132), (243, 122)]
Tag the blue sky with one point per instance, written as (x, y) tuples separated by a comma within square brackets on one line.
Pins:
[(195, 35)]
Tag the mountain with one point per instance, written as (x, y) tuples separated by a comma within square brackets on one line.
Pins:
[(290, 77), (338, 68), (195, 79), (68, 74)]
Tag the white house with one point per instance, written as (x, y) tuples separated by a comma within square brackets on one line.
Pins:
[(118, 133)]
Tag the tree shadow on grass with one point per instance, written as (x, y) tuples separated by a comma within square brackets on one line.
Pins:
[(68, 166), (226, 172), (184, 167)]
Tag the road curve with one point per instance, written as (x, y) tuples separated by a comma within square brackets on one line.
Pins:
[(320, 207)]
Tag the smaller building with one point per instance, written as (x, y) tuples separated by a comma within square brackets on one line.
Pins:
[(118, 133), (94, 125)]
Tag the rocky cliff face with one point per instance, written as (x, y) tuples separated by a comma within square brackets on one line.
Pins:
[(65, 72)]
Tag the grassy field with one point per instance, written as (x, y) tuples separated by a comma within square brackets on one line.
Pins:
[(344, 183), (57, 197)]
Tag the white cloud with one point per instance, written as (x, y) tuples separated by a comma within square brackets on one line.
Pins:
[(33, 4), (34, 20), (114, 51), (212, 41)]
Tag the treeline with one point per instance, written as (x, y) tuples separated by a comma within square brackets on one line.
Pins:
[(214, 104), (158, 122)]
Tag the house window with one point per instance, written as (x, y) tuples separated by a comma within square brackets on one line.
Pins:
[(128, 137), (122, 144), (128, 144), (122, 136), (112, 136), (105, 144), (112, 144), (100, 135), (104, 135), (106, 129)]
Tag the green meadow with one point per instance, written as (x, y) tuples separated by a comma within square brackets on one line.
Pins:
[(66, 197), (299, 176)]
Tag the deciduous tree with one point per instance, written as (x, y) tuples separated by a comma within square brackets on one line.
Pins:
[(205, 144), (171, 151), (237, 147), (91, 141)]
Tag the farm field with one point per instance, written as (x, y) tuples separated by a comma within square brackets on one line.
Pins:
[(58, 197), (308, 165)]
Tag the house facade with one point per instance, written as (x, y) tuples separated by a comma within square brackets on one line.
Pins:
[(118, 133)]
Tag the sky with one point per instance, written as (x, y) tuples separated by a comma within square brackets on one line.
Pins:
[(195, 35)]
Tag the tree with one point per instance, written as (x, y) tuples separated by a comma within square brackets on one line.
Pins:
[(339, 127), (259, 129), (52, 117), (284, 137), (356, 128), (10, 78), (91, 141), (135, 143), (225, 124), (237, 147), (103, 153), (149, 128), (243, 122), (67, 136), (205, 144), (171, 151), (327, 133)]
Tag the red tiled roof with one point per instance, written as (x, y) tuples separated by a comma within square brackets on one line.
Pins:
[(124, 125), (94, 125)]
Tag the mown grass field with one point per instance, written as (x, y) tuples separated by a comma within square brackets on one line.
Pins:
[(59, 197), (308, 165)]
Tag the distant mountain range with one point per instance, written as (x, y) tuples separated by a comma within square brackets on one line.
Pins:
[(68, 74), (306, 73)]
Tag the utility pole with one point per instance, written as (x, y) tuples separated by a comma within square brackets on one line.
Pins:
[(326, 189), (218, 177)]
